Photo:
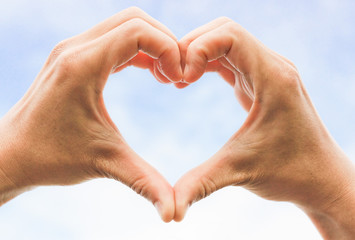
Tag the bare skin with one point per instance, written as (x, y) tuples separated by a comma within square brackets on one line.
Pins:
[(60, 133), (283, 151)]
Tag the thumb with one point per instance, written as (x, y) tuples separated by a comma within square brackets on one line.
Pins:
[(133, 171), (200, 182)]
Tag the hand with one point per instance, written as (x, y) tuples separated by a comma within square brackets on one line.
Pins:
[(282, 151), (60, 132)]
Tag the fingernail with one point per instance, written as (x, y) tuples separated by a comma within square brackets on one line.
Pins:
[(158, 207)]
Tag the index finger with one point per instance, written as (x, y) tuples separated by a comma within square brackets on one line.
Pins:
[(120, 45), (120, 18), (229, 40)]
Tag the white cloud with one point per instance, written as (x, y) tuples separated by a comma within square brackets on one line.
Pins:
[(104, 209), (184, 128)]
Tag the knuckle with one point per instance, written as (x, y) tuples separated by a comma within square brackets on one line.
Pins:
[(233, 27), (184, 44), (64, 60), (135, 25), (197, 54), (288, 73), (134, 11), (292, 65), (134, 28), (292, 80), (67, 61), (208, 186), (137, 22), (224, 19), (199, 49), (287, 80), (140, 187), (58, 49)]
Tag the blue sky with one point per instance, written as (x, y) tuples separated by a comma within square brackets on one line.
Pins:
[(172, 129)]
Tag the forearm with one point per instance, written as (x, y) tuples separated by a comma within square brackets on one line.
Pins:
[(7, 193), (338, 223), (8, 189), (337, 219), (12, 183)]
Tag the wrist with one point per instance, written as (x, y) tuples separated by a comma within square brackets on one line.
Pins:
[(334, 215), (8, 188), (337, 221), (12, 182)]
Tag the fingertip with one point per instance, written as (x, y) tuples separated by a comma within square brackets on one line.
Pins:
[(182, 203), (171, 74), (159, 75), (177, 76), (166, 207), (197, 184), (192, 73), (180, 213), (181, 85), (130, 169), (169, 64), (166, 216), (187, 73), (164, 202), (180, 73)]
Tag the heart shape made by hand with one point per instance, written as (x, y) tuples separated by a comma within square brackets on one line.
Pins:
[(64, 113)]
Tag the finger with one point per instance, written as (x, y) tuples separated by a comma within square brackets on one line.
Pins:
[(141, 60), (205, 28), (134, 172), (144, 61), (120, 18), (187, 39), (226, 72), (224, 68), (233, 78), (120, 45), (158, 73), (228, 40), (181, 85), (201, 182)]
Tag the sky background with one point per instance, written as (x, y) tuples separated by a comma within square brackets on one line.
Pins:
[(173, 129)]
